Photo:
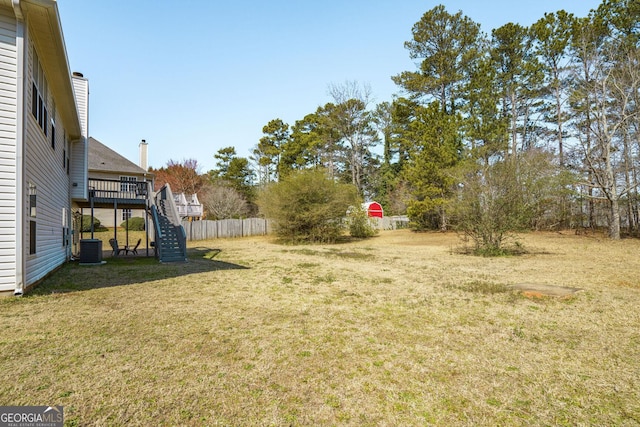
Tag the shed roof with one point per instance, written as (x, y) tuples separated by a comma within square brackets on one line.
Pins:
[(104, 159), (373, 205)]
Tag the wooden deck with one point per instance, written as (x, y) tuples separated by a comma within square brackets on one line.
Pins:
[(104, 193)]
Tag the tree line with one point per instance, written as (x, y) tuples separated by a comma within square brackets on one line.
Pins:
[(523, 128)]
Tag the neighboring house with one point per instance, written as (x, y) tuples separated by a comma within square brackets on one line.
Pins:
[(43, 147), (188, 207), (107, 166)]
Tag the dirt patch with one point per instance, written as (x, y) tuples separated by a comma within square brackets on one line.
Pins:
[(533, 290)]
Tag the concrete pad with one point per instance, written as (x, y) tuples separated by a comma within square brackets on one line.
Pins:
[(533, 290), (92, 263)]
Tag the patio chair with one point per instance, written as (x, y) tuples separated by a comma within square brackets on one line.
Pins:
[(134, 250), (115, 250)]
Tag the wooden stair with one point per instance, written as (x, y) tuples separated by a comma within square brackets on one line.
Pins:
[(171, 240)]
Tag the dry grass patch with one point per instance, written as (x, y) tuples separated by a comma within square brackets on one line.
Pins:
[(253, 333)]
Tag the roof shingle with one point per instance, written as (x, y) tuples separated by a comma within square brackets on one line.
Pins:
[(104, 159)]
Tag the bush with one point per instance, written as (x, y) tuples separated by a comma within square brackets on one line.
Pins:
[(498, 199), (85, 224), (133, 224), (222, 202), (307, 206), (359, 224), (492, 205)]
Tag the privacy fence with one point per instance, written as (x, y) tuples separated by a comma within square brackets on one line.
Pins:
[(390, 222), (206, 230)]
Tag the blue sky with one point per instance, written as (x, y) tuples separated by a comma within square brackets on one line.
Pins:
[(193, 76)]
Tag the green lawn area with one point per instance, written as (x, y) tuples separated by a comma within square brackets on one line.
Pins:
[(397, 330)]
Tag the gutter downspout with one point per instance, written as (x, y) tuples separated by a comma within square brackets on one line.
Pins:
[(22, 65)]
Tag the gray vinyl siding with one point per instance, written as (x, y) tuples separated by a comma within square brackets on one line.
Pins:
[(78, 172), (44, 169), (8, 134), (81, 91), (80, 149)]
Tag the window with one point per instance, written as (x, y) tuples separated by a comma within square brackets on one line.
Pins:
[(32, 200), (32, 222), (126, 214), (39, 94), (32, 237), (65, 228), (53, 125), (128, 183), (65, 155), (65, 149)]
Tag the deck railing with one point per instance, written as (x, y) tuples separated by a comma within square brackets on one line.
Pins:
[(188, 207), (116, 189), (190, 210)]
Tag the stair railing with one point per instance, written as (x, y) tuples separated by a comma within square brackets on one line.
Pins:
[(171, 213), (156, 229)]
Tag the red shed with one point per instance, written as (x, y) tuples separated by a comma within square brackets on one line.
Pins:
[(374, 209)]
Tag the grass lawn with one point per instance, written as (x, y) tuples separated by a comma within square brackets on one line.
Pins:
[(397, 330)]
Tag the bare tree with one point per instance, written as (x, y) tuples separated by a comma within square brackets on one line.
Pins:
[(610, 95), (222, 202), (354, 123)]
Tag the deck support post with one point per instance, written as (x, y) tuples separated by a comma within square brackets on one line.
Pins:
[(91, 216), (115, 219)]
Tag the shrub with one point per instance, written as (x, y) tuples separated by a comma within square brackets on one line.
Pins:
[(85, 224), (492, 205), (359, 224), (307, 206), (133, 224), (222, 202)]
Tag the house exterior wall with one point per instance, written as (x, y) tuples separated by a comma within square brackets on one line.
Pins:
[(47, 175), (80, 148), (8, 148), (35, 197)]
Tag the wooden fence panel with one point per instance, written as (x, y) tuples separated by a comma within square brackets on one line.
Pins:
[(207, 230)]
